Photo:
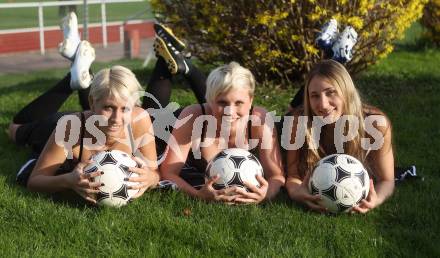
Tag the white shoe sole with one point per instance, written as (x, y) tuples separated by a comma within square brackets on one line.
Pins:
[(69, 26), (342, 48), (79, 72), (328, 34), (68, 48)]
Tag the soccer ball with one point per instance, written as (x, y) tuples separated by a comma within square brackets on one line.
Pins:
[(114, 165), (341, 180), (234, 166)]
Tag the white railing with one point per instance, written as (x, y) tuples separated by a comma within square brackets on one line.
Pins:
[(41, 5)]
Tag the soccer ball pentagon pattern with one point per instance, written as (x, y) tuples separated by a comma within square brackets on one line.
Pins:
[(341, 180), (234, 166), (114, 165)]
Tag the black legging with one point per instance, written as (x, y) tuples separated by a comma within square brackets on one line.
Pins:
[(39, 118), (50, 101), (298, 99), (160, 84)]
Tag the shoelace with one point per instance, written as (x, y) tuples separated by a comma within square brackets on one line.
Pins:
[(411, 172), (167, 185)]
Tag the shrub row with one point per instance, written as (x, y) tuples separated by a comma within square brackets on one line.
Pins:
[(276, 39)]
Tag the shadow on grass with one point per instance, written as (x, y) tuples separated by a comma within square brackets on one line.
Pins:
[(36, 85), (378, 86), (67, 198), (16, 157), (418, 45), (408, 222)]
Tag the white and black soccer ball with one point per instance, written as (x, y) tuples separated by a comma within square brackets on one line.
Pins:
[(341, 180), (234, 166), (115, 167)]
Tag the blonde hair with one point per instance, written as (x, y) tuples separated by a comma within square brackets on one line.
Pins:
[(118, 82), (228, 77), (335, 74)]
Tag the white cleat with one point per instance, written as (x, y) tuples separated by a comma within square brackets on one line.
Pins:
[(80, 77), (68, 47), (328, 34), (343, 46)]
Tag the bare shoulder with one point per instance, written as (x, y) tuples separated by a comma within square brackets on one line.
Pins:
[(376, 118), (372, 110), (139, 113), (296, 112), (71, 124), (260, 112), (138, 110), (192, 112), (141, 122)]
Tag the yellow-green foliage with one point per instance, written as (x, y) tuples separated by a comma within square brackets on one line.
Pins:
[(431, 20), (276, 39)]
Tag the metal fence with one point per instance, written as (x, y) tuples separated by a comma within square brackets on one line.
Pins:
[(41, 5)]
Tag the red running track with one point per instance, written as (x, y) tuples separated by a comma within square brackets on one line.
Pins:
[(30, 40)]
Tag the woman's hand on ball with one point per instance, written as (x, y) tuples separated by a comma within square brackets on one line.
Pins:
[(255, 194), (208, 193), (313, 202), (302, 195), (145, 179), (369, 203), (81, 182)]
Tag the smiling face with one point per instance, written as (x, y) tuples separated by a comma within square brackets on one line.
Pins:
[(113, 94), (232, 105), (325, 99), (117, 113)]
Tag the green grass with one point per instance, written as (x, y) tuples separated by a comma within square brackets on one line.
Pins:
[(28, 17), (406, 86)]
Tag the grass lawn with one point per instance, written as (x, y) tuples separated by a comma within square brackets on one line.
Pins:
[(406, 86), (28, 17)]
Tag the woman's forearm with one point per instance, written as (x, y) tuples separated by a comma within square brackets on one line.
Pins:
[(182, 184), (48, 184), (384, 189), (292, 185), (275, 183)]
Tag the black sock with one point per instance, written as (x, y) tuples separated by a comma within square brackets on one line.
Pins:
[(159, 86), (298, 99), (197, 81), (46, 104), (83, 95)]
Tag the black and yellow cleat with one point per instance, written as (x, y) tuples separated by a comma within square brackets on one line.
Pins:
[(167, 35), (174, 59)]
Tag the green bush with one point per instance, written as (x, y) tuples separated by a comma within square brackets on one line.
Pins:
[(431, 21), (275, 39)]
